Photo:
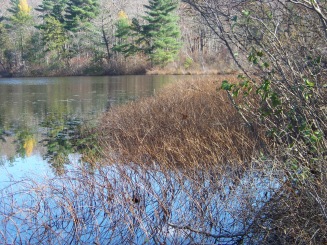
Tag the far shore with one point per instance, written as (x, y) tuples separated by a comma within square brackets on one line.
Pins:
[(108, 73)]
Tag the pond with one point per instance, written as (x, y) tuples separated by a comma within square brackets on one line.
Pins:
[(27, 104), (118, 203)]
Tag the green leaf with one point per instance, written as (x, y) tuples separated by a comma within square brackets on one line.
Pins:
[(226, 85), (246, 13), (236, 92), (275, 100), (314, 138), (307, 96), (244, 84), (260, 53), (309, 84)]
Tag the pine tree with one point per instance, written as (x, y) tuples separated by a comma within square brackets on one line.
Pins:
[(18, 24), (45, 7), (80, 12), (52, 29), (158, 38), (124, 33), (54, 8), (54, 34), (162, 32), (13, 9)]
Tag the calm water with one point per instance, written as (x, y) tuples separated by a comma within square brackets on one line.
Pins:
[(26, 103)]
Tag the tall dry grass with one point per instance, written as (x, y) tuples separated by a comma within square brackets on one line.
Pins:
[(187, 124), (194, 126)]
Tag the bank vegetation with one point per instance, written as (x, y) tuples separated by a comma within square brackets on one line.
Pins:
[(233, 160), (275, 112), (98, 37)]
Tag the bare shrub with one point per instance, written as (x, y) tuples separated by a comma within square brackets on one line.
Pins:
[(135, 204), (283, 44), (121, 65)]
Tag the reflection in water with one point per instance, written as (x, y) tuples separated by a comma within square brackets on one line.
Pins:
[(66, 135), (61, 135), (115, 204), (61, 139), (25, 142), (34, 98), (43, 115)]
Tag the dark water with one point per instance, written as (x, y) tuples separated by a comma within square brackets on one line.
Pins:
[(30, 99), (27, 103)]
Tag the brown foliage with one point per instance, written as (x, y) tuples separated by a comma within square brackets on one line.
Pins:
[(187, 124)]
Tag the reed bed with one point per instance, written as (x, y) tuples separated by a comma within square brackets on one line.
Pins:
[(187, 124), (177, 168)]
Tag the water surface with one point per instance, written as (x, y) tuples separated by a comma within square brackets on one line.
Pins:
[(27, 103), (118, 203)]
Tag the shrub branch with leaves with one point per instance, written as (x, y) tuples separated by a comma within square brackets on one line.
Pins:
[(281, 48)]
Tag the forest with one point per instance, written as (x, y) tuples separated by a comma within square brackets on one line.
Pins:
[(48, 37)]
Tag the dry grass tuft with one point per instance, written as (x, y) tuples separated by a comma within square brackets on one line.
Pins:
[(187, 124)]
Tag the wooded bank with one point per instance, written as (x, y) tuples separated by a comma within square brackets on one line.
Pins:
[(69, 37)]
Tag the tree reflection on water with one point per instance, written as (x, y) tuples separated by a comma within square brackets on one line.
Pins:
[(56, 137), (42, 116)]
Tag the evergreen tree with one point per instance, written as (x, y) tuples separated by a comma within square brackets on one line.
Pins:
[(54, 8), (124, 34), (45, 7), (80, 12), (54, 34), (158, 38), (13, 9), (162, 31), (1, 16), (53, 27), (4, 49)]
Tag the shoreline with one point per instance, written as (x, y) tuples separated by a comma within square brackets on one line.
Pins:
[(148, 72)]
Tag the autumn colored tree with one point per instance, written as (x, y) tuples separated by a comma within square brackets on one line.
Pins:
[(18, 24), (87, 30), (21, 12)]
